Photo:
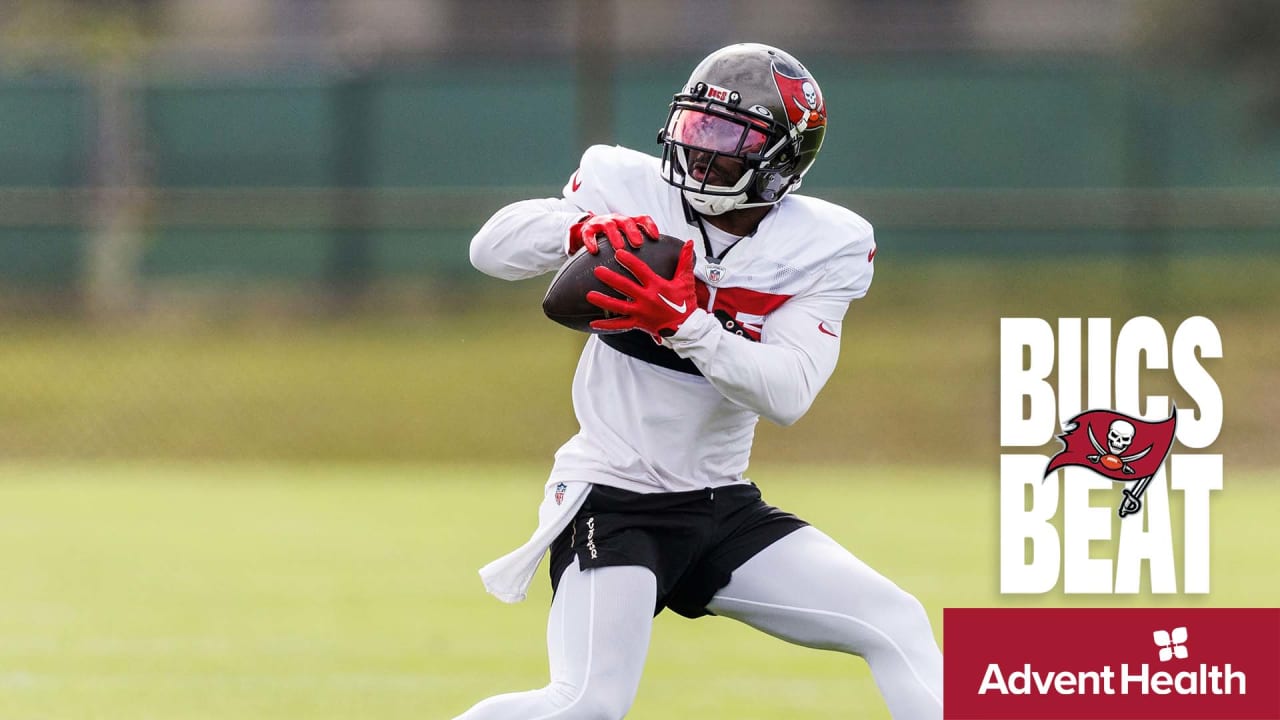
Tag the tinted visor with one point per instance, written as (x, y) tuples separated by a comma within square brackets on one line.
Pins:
[(694, 128)]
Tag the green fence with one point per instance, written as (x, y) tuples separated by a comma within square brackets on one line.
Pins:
[(912, 126)]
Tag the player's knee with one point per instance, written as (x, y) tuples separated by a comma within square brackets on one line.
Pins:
[(598, 706), (902, 619), (561, 694), (594, 702), (873, 621), (914, 617)]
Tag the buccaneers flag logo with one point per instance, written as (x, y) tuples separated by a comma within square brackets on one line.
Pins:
[(1117, 447), (802, 99)]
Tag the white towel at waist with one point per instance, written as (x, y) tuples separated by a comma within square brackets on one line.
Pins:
[(509, 576)]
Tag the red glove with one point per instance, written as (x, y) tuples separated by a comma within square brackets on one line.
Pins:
[(656, 305), (612, 226)]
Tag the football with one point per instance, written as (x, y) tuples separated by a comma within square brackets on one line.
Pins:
[(566, 298)]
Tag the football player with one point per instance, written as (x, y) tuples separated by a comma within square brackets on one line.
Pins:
[(647, 506)]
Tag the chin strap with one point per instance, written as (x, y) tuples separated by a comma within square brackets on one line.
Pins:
[(714, 204)]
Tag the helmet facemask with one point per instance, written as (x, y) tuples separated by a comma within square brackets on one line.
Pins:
[(724, 158)]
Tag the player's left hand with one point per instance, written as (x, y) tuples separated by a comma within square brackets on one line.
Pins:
[(656, 305), (620, 230)]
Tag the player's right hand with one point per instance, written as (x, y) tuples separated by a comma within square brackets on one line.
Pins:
[(619, 230)]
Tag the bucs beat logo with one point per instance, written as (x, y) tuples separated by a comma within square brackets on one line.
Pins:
[(1117, 447)]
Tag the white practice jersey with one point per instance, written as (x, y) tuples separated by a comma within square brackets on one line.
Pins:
[(644, 426)]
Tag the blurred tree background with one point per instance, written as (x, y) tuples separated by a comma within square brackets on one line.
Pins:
[(1239, 39)]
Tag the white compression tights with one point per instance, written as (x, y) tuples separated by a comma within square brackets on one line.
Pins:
[(805, 589), (808, 590), (597, 639)]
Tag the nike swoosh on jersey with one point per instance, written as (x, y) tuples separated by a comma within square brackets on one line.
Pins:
[(678, 308), (822, 328), (575, 183)]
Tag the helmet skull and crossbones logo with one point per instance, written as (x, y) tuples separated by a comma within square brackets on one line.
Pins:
[(1119, 438), (810, 95)]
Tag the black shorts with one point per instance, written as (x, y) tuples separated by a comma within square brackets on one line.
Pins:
[(692, 541)]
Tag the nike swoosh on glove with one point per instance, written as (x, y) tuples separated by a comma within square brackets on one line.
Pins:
[(654, 304), (620, 230)]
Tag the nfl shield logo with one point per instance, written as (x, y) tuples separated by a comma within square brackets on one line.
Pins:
[(715, 274), (560, 488)]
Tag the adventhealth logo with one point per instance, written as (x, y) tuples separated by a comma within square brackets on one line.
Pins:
[(1132, 663), (1173, 643), (1129, 680)]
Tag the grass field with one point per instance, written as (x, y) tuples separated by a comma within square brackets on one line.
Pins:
[(487, 376), (245, 591), (254, 516)]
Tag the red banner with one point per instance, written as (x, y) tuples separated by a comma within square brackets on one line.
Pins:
[(1139, 663)]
